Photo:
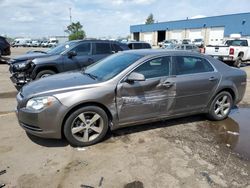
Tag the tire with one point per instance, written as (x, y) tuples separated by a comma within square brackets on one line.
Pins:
[(82, 134), (220, 106), (238, 61), (44, 73)]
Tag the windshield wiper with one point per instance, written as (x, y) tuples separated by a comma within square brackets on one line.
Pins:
[(90, 75)]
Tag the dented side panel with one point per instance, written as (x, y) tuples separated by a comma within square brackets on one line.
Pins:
[(145, 99)]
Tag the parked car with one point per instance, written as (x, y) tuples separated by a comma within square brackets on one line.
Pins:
[(167, 43), (128, 88), (188, 47), (45, 44), (65, 57), (53, 43), (4, 47), (186, 41), (138, 45), (199, 43), (35, 43), (233, 51)]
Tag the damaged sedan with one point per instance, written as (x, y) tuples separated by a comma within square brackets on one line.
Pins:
[(128, 88)]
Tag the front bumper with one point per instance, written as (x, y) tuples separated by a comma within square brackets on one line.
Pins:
[(46, 123)]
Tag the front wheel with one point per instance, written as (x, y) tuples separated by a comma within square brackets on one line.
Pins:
[(86, 126), (44, 73), (220, 106)]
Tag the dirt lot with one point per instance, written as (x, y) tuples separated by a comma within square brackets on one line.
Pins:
[(186, 152)]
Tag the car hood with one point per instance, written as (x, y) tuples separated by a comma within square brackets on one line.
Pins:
[(29, 56), (57, 83)]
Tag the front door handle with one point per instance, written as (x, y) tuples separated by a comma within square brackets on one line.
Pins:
[(168, 84), (212, 78)]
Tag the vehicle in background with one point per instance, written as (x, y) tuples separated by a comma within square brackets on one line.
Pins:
[(186, 41), (4, 47), (199, 43), (138, 45), (187, 47), (171, 46), (128, 88), (21, 42), (28, 44), (35, 43), (45, 44), (72, 55), (166, 43), (233, 52), (53, 43)]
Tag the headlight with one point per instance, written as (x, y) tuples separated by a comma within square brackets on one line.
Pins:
[(39, 103), (20, 65)]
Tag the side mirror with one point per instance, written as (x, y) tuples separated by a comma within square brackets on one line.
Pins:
[(71, 54), (135, 76)]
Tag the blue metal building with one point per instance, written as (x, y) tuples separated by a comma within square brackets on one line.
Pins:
[(211, 29)]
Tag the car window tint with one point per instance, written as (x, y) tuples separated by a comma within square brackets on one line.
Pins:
[(103, 48), (137, 46), (82, 49), (189, 47), (146, 45), (190, 65), (155, 68), (116, 48), (130, 46)]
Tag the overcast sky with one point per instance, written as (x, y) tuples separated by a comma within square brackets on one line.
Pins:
[(102, 18)]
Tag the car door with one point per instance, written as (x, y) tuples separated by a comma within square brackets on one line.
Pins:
[(82, 57), (101, 50), (196, 80), (152, 98)]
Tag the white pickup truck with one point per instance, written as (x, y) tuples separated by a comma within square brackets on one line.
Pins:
[(233, 51)]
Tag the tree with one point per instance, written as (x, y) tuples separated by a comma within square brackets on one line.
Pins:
[(75, 31), (150, 19)]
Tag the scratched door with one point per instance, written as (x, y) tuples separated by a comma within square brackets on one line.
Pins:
[(147, 99)]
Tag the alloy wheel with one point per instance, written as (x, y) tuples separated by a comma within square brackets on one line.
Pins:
[(87, 126), (222, 106)]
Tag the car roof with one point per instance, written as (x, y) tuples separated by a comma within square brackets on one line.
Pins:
[(155, 52), (134, 42), (94, 40)]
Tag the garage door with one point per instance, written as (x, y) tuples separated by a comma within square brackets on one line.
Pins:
[(216, 35), (148, 37), (195, 34), (176, 35)]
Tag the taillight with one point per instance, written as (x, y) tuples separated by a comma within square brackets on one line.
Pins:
[(231, 51)]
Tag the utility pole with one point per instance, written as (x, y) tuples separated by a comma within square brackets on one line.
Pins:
[(70, 17)]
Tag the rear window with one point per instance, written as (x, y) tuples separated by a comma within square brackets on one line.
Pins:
[(237, 43)]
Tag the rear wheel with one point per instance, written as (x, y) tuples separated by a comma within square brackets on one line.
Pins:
[(44, 73), (86, 126), (238, 61), (220, 106)]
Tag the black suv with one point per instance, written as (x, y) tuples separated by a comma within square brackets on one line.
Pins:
[(4, 47), (73, 55)]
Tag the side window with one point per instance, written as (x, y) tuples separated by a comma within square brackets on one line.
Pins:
[(83, 49), (130, 46), (155, 68), (102, 48), (189, 47), (137, 46), (146, 46), (116, 48), (191, 65)]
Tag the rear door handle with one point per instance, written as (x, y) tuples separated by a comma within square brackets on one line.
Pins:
[(168, 84), (212, 78)]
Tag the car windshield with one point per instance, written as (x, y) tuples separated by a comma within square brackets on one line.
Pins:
[(198, 40), (111, 66), (60, 48), (236, 42)]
